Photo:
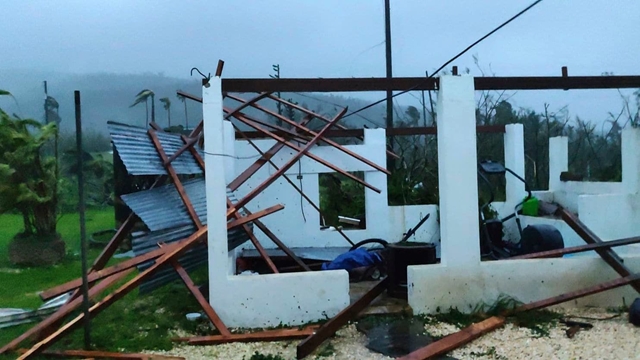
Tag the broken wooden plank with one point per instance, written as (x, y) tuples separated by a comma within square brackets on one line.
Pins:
[(65, 354), (61, 313), (188, 143), (607, 254), (329, 328), (244, 104), (456, 340), (578, 249), (206, 307), (261, 336), (468, 334)]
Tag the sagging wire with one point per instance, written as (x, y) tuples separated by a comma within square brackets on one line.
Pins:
[(448, 61), (233, 156)]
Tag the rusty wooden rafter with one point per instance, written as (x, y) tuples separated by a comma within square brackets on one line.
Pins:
[(245, 227), (268, 159), (151, 255), (116, 295), (607, 254), (96, 354), (304, 129), (258, 189), (261, 336), (249, 102), (578, 249), (290, 133), (310, 155), (329, 328), (63, 312), (206, 307), (320, 117), (466, 335), (174, 176)]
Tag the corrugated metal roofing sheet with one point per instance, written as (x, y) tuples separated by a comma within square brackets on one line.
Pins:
[(164, 213), (140, 156), (162, 207)]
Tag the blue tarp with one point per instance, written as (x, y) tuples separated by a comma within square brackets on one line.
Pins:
[(353, 259)]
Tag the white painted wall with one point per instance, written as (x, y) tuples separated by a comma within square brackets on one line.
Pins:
[(463, 281), (260, 300)]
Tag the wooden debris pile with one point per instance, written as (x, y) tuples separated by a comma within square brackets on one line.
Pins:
[(170, 157)]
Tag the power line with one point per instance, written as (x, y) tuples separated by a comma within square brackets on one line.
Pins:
[(450, 60), (338, 105)]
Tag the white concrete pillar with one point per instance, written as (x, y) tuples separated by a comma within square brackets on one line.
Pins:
[(229, 151), (215, 184), (457, 171), (514, 160), (558, 160), (631, 160), (376, 204)]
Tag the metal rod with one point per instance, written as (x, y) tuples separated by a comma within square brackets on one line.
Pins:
[(83, 235)]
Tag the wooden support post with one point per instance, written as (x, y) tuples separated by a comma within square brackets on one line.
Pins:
[(211, 314), (607, 254), (329, 328), (61, 313)]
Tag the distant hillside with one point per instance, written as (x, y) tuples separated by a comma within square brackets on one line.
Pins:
[(108, 96)]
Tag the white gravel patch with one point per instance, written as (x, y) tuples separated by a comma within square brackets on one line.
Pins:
[(608, 339)]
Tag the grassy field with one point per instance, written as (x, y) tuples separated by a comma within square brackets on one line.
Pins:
[(134, 323)]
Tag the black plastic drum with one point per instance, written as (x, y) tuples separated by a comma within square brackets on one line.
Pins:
[(540, 237)]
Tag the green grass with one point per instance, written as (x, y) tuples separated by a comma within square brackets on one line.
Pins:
[(134, 323)]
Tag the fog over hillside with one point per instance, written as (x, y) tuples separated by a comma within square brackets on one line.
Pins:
[(108, 97)]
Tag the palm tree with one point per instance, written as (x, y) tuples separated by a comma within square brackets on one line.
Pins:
[(186, 117), (143, 96), (167, 106)]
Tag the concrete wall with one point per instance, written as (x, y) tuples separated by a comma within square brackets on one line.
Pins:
[(260, 300), (462, 280)]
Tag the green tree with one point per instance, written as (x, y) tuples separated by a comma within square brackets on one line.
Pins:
[(186, 116), (167, 106), (143, 97)]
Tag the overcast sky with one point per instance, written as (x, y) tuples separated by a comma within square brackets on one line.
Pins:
[(328, 38)]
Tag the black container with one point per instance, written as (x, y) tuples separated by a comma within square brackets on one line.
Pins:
[(399, 256)]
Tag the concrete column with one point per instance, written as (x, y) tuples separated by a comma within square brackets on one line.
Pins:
[(376, 205), (229, 151), (215, 184), (514, 160), (558, 160), (457, 171), (631, 160)]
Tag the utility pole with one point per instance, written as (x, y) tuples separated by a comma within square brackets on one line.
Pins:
[(276, 68), (387, 25)]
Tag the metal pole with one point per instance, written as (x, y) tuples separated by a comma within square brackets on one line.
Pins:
[(83, 237), (387, 23)]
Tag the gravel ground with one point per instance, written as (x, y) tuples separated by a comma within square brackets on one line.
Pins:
[(608, 339)]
